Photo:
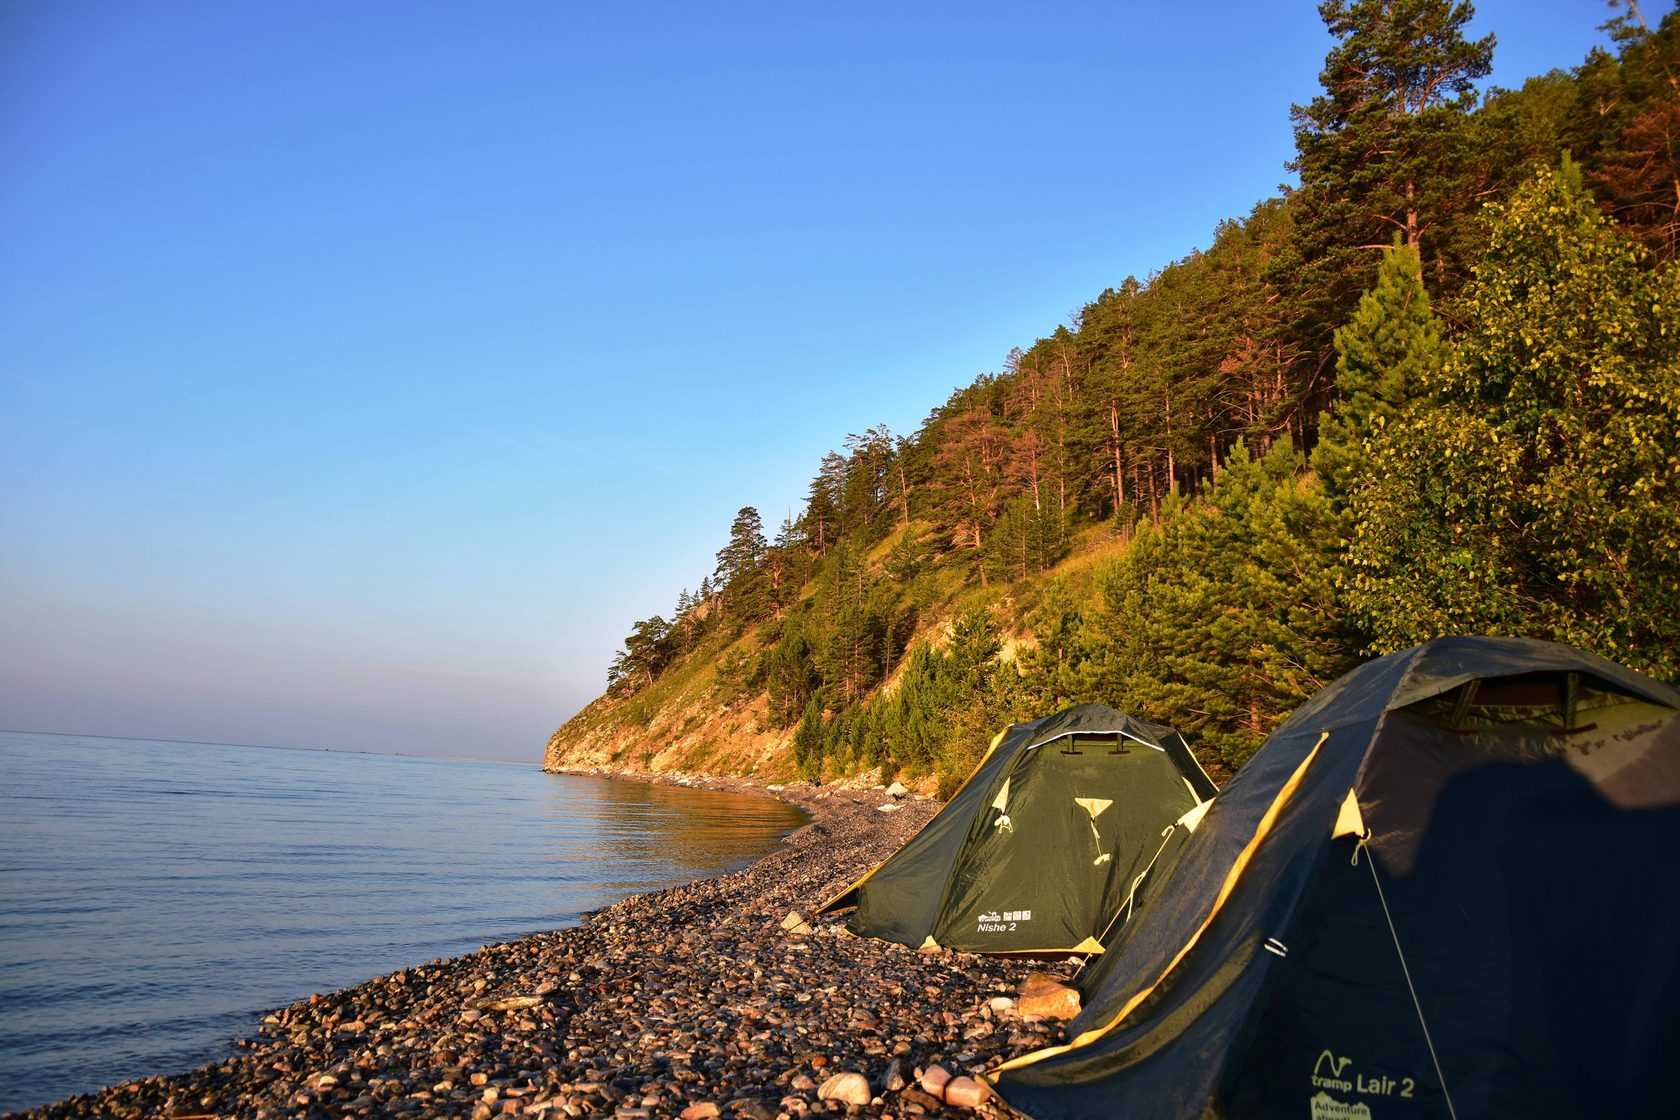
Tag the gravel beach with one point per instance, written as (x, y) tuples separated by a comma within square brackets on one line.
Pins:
[(690, 1002)]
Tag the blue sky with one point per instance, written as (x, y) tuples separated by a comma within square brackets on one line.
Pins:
[(366, 370)]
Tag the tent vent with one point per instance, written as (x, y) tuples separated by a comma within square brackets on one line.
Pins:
[(1571, 700), (1466, 697)]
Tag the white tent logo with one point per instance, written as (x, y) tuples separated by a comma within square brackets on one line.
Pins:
[(1335, 1065), (1095, 807), (1327, 1072), (1001, 804)]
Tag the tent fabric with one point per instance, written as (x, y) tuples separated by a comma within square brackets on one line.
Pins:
[(1039, 848), (1491, 934)]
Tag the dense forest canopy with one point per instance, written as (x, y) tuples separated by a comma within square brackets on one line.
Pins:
[(1433, 389)]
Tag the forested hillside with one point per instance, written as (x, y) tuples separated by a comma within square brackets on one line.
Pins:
[(1433, 389)]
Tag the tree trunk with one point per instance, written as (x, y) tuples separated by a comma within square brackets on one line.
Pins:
[(1172, 469), (1119, 468), (1414, 235), (903, 492), (1154, 498)]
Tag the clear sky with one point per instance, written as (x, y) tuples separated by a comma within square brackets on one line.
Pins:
[(366, 370)]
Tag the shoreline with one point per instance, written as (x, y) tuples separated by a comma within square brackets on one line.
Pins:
[(689, 1001)]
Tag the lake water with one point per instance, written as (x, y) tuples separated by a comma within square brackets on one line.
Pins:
[(156, 899)]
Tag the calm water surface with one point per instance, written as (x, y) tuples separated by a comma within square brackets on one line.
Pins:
[(157, 898)]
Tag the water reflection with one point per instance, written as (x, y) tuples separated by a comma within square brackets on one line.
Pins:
[(669, 832)]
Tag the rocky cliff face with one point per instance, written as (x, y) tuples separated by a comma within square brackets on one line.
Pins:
[(658, 733)]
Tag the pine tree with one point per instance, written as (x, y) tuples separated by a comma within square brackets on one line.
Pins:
[(810, 742), (791, 679), (822, 504), (1223, 618), (1391, 345), (1385, 149), (1627, 129), (970, 479), (646, 652), (1276, 612), (738, 565), (1061, 646)]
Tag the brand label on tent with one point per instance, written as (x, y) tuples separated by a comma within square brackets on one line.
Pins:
[(1003, 921), (1326, 1107), (1333, 1071)]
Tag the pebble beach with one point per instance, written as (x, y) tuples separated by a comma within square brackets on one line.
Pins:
[(710, 999)]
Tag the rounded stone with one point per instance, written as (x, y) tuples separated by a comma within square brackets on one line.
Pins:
[(851, 1088)]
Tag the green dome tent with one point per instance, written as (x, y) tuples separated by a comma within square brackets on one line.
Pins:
[(1040, 848), (1447, 886)]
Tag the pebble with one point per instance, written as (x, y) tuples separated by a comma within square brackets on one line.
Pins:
[(700, 1001)]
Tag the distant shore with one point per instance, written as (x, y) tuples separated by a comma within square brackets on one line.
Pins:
[(692, 1001)]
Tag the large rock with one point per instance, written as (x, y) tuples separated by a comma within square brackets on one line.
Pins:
[(934, 1080), (1047, 997), (852, 1088), (965, 1092)]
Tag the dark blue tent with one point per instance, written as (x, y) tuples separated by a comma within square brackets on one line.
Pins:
[(1448, 886)]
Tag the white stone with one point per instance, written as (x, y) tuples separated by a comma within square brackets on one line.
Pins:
[(852, 1088)]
